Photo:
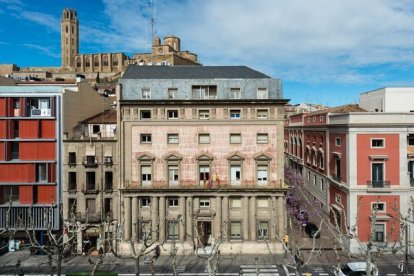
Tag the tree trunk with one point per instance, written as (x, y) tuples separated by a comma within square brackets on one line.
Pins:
[(137, 266), (59, 264)]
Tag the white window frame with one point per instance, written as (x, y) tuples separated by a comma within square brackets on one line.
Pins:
[(377, 139), (262, 138), (145, 202), (262, 114), (384, 235), (173, 202), (262, 233), (235, 169), (145, 180), (338, 141), (172, 138), (235, 138), (172, 93), (173, 114), (203, 114), (235, 114), (373, 204), (261, 179), (204, 203), (145, 93), (39, 168), (262, 93), (235, 93), (173, 172), (146, 140), (203, 137), (232, 227)]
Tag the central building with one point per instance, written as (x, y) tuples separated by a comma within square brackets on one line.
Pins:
[(201, 152)]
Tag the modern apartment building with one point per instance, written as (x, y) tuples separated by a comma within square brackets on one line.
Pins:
[(90, 170), (33, 119), (201, 158), (358, 166)]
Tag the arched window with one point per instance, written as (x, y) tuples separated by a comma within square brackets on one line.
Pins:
[(78, 62), (300, 148), (96, 61), (67, 30), (105, 60), (115, 61), (88, 61)]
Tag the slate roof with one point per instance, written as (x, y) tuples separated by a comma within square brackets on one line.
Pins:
[(192, 72), (339, 109), (106, 117)]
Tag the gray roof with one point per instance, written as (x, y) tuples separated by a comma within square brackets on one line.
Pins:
[(191, 72)]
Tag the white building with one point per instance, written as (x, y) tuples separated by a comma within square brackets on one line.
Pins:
[(388, 99)]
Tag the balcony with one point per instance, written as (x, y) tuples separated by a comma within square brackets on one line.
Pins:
[(337, 178), (40, 112), (29, 217), (86, 217), (90, 162), (378, 183)]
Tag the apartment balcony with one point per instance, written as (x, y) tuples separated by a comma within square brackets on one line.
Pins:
[(29, 217), (378, 183), (90, 162), (88, 217)]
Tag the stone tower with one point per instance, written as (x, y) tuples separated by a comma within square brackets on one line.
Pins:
[(173, 41), (69, 37)]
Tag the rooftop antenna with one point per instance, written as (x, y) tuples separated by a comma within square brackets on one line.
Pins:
[(153, 30)]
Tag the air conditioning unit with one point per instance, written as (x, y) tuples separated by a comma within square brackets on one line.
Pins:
[(35, 112)]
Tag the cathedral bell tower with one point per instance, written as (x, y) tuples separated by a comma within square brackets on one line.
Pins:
[(69, 28)]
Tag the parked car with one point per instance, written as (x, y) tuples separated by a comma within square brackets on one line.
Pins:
[(312, 230), (357, 269)]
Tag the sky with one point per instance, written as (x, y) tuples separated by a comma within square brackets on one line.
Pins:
[(325, 51)]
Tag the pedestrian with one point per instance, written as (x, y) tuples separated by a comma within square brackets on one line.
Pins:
[(86, 246), (401, 266)]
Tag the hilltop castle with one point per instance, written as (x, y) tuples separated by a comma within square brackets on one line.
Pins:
[(107, 64)]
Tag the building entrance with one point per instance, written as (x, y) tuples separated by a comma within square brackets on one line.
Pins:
[(204, 233)]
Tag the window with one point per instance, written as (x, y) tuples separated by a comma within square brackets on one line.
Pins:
[(108, 180), (322, 184), (262, 93), (377, 143), (379, 232), (173, 202), (235, 138), (10, 194), (145, 230), (262, 174), (14, 150), (235, 114), (172, 230), (146, 175), (107, 206), (235, 174), (41, 172), (145, 94), (72, 158), (145, 138), (411, 171), (172, 93), (338, 199), (172, 138), (91, 206), (172, 114), (320, 118), (90, 160), (315, 179), (145, 114), (377, 171), (90, 181), (262, 138), (145, 202), (321, 161), (173, 175), (204, 174), (337, 168), (378, 206), (262, 202), (235, 230), (204, 92), (309, 174), (72, 207), (204, 138), (204, 202), (235, 93), (411, 141), (16, 129), (71, 180), (262, 230), (204, 114), (235, 203), (262, 114), (313, 119), (95, 129)]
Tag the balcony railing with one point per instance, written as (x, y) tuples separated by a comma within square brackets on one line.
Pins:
[(29, 217), (88, 217), (378, 183), (90, 162)]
